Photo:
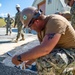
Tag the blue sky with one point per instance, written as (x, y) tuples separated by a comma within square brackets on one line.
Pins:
[(8, 6)]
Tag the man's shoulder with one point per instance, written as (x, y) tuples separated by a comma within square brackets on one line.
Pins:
[(57, 21), (58, 18), (18, 13)]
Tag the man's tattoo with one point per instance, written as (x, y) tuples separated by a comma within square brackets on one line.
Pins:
[(50, 36)]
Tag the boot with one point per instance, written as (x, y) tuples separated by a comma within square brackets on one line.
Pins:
[(16, 41), (22, 39), (6, 34), (10, 33)]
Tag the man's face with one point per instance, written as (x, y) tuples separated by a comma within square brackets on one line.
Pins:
[(36, 25), (31, 24), (70, 2)]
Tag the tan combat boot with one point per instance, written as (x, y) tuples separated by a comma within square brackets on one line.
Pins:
[(22, 39), (16, 41)]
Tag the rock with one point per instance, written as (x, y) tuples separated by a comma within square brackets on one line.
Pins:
[(6, 70)]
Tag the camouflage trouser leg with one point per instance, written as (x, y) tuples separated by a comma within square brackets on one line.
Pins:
[(20, 32), (58, 62), (6, 29), (10, 29), (73, 21)]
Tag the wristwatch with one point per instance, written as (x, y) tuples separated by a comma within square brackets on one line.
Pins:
[(19, 58)]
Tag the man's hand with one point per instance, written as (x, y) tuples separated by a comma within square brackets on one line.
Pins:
[(15, 61), (28, 63)]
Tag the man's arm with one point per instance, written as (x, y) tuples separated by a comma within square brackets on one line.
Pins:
[(5, 20), (49, 42), (12, 20), (15, 22)]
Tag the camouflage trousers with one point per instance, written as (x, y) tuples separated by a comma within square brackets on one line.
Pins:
[(8, 29), (20, 32), (73, 21), (58, 62)]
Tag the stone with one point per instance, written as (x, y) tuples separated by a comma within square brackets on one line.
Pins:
[(6, 70)]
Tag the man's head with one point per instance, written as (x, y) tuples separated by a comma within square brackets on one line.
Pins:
[(8, 15), (66, 1), (69, 2), (29, 15), (17, 6)]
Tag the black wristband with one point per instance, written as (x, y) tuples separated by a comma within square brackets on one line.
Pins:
[(19, 58)]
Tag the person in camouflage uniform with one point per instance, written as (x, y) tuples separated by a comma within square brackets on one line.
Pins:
[(8, 21), (65, 14), (71, 3), (56, 53), (19, 24)]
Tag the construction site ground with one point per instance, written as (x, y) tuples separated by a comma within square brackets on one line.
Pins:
[(8, 46)]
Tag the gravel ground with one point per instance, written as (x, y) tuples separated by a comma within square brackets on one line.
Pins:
[(6, 70), (7, 46)]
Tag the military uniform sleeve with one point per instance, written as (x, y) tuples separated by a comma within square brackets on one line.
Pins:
[(12, 20), (72, 11), (5, 20), (55, 26), (15, 20)]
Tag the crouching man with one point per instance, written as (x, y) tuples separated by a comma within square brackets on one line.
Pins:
[(56, 54)]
